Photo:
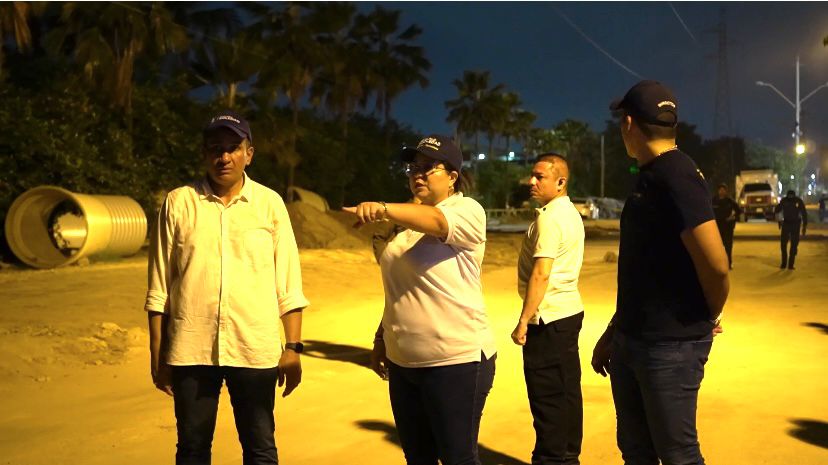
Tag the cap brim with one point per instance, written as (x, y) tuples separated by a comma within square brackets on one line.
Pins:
[(409, 153), (615, 105)]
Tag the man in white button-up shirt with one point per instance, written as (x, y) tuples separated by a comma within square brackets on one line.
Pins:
[(552, 315), (223, 271)]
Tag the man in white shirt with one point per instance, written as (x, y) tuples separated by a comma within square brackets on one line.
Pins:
[(548, 268), (223, 271)]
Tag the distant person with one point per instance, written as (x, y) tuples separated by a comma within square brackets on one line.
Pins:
[(672, 286), (726, 211), (794, 216), (552, 315), (223, 270), (434, 344), (822, 213)]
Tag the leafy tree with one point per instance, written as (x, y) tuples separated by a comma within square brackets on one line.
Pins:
[(14, 22), (784, 164), (497, 180), (106, 39)]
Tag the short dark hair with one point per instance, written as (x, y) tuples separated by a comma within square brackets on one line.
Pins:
[(555, 159)]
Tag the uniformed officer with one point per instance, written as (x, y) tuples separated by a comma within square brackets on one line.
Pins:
[(726, 211), (793, 216)]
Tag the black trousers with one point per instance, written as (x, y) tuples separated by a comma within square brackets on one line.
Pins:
[(726, 231), (196, 394), (790, 232), (552, 369)]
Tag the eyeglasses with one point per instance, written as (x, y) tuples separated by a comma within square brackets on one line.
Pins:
[(416, 169), (218, 150)]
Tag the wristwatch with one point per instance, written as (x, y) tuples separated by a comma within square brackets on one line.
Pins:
[(297, 347)]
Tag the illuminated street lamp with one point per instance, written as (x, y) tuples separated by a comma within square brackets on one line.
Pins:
[(800, 148)]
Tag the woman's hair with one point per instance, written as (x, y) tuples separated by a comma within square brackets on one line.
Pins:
[(465, 181)]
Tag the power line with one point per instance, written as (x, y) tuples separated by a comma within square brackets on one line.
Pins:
[(595, 44), (678, 16)]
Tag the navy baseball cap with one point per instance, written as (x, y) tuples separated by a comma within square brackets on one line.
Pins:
[(438, 147), (649, 101), (231, 120)]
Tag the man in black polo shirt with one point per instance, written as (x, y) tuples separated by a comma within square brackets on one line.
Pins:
[(672, 286), (794, 215), (726, 211)]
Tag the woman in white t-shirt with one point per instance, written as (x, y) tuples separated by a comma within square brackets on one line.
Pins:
[(434, 344)]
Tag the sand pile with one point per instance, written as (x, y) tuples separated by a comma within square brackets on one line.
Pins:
[(315, 229), (29, 350)]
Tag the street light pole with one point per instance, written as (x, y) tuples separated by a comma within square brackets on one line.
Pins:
[(800, 149), (797, 132)]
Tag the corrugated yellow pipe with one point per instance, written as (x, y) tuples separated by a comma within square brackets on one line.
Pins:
[(48, 227)]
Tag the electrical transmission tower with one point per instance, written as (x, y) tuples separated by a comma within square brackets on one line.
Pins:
[(722, 122)]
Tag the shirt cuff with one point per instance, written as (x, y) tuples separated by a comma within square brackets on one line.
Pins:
[(156, 302), (292, 301)]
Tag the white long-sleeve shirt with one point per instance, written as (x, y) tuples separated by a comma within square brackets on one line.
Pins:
[(224, 275)]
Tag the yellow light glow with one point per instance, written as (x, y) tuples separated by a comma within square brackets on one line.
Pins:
[(800, 149)]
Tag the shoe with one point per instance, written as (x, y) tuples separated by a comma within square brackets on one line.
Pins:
[(791, 267)]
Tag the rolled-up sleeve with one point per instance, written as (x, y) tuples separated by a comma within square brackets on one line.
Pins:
[(158, 265), (466, 222), (288, 271)]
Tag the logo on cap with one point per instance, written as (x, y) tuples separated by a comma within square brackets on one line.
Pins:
[(666, 103), (225, 117), (429, 142)]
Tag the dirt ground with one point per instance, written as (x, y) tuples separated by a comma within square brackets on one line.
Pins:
[(75, 386)]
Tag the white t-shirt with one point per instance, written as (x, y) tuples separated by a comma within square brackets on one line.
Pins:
[(557, 233), (434, 311)]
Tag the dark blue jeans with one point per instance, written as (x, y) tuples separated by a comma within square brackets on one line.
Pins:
[(438, 409), (252, 392), (655, 386)]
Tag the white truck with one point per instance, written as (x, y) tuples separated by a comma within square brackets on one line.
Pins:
[(758, 193)]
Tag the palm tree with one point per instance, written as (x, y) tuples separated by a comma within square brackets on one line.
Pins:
[(297, 56), (466, 111), (341, 84), (14, 22), (227, 63), (107, 38), (496, 109), (518, 125), (395, 62)]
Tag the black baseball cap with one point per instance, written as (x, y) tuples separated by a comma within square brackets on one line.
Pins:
[(649, 101), (231, 120), (438, 147)]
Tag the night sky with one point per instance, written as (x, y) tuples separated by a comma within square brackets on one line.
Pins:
[(531, 49)]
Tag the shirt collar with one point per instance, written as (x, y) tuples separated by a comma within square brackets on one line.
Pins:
[(245, 194), (451, 199), (552, 203)]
